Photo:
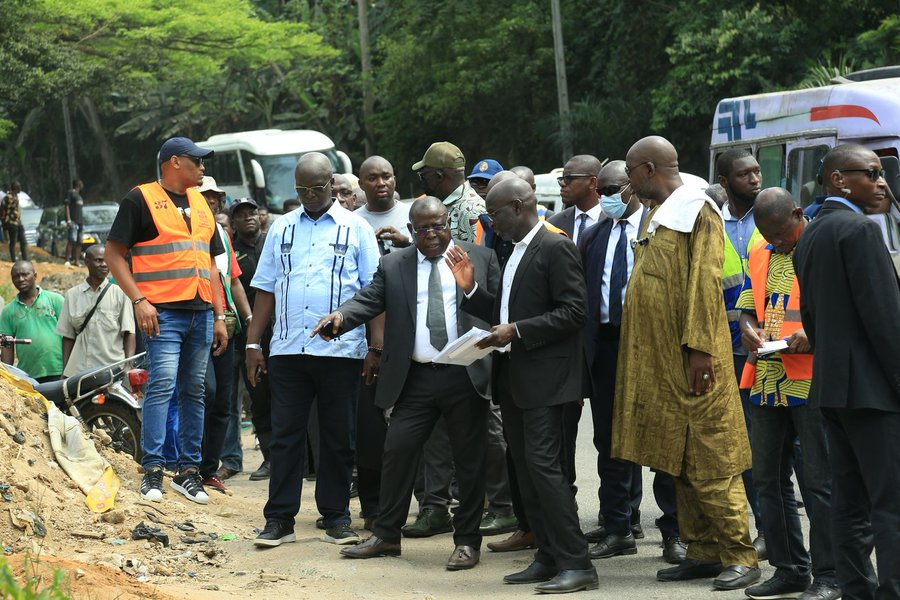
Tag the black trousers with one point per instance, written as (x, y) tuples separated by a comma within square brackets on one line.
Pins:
[(218, 396), (428, 394), (536, 440), (864, 452), (370, 433), (333, 383), (621, 483), (16, 233)]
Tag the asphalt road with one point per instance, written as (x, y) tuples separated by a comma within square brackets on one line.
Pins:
[(313, 569)]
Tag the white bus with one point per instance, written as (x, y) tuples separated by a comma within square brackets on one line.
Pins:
[(260, 164), (790, 132)]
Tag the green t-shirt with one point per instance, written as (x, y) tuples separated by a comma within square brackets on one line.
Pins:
[(43, 357)]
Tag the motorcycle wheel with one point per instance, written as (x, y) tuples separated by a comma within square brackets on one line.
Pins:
[(120, 422)]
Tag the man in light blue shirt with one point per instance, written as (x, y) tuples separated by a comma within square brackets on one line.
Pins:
[(314, 259)]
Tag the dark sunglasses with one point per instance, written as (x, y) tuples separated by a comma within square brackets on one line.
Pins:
[(872, 174), (567, 179), (194, 159), (612, 188)]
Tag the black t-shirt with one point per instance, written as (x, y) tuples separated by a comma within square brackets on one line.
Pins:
[(75, 203), (134, 224), (248, 257)]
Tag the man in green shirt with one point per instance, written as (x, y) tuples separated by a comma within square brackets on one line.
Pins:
[(33, 314)]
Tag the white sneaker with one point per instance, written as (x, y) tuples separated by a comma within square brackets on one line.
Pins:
[(190, 486), (151, 485)]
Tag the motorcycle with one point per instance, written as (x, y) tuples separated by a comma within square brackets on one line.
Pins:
[(109, 398)]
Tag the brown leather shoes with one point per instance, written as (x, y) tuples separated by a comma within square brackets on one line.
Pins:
[(519, 540), (370, 548), (463, 557)]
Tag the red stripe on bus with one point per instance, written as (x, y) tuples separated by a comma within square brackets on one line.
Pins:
[(839, 111)]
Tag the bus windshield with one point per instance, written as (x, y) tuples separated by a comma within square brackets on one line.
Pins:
[(279, 173)]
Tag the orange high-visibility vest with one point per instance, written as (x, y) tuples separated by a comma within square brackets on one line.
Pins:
[(796, 366), (174, 266)]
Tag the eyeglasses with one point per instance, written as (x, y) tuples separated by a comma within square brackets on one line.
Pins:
[(345, 193), (425, 173), (436, 229), (302, 190), (567, 179), (612, 188), (873, 174), (194, 159), (493, 213), (628, 169)]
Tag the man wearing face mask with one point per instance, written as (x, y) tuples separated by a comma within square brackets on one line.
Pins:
[(608, 259)]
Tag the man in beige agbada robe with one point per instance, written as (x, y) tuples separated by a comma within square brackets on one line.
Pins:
[(677, 407)]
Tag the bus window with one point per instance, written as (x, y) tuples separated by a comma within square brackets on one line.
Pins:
[(891, 167), (803, 165), (771, 165), (226, 168)]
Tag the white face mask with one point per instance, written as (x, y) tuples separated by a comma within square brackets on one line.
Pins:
[(613, 205)]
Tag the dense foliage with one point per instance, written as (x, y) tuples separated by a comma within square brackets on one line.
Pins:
[(479, 74)]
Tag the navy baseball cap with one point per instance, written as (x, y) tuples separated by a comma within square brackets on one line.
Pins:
[(240, 203), (181, 146), (485, 169)]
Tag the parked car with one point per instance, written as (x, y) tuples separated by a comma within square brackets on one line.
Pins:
[(98, 219), (547, 191), (31, 218)]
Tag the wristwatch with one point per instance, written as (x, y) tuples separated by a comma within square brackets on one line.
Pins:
[(219, 317)]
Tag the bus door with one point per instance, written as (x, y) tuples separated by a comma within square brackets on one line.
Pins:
[(802, 166)]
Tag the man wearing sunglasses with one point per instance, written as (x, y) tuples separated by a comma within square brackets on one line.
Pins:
[(578, 188), (849, 302), (174, 285), (418, 391)]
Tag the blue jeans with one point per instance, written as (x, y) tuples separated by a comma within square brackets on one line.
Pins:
[(176, 358), (232, 454)]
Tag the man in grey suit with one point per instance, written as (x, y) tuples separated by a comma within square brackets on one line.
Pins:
[(416, 290)]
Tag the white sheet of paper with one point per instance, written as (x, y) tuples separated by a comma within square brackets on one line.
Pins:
[(462, 350), (773, 346)]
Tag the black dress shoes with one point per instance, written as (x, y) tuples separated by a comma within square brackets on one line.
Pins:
[(535, 573), (372, 547), (689, 569), (735, 577), (275, 533), (674, 550), (614, 545), (569, 580)]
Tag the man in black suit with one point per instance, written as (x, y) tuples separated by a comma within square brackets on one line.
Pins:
[(538, 313), (849, 305), (578, 189), (416, 290), (608, 257)]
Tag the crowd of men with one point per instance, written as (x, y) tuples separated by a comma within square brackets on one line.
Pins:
[(711, 329)]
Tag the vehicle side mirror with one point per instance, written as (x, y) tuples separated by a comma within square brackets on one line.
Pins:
[(259, 178), (345, 161)]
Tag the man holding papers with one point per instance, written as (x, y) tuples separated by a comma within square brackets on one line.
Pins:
[(416, 290), (779, 385)]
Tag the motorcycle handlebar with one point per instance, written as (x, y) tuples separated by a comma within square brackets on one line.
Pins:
[(7, 340)]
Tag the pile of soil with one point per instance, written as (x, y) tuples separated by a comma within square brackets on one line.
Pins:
[(37, 497)]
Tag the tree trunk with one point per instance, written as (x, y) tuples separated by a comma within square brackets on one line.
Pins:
[(112, 181)]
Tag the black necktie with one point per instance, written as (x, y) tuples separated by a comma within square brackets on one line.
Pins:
[(436, 319), (619, 277), (583, 219)]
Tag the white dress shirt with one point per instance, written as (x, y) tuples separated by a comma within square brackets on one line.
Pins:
[(510, 271), (632, 227), (592, 215), (423, 351)]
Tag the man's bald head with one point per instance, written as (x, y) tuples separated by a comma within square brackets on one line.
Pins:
[(841, 156), (652, 165), (773, 205), (512, 188), (312, 176), (779, 220), (525, 173), (655, 149), (612, 172), (314, 163), (584, 163), (500, 176), (426, 205), (374, 163)]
